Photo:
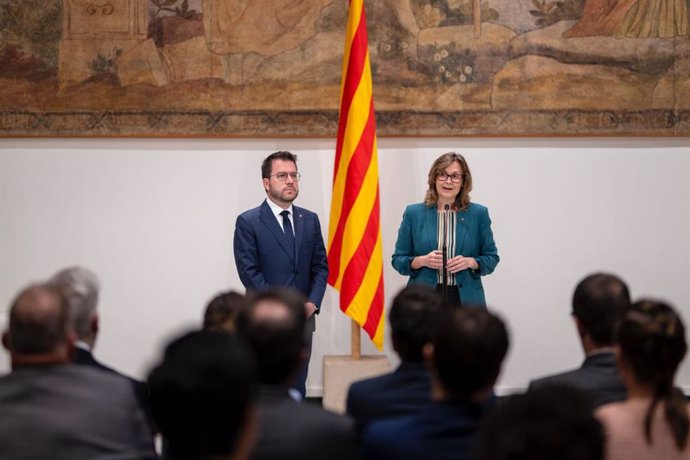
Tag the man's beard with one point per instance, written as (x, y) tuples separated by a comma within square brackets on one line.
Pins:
[(282, 196)]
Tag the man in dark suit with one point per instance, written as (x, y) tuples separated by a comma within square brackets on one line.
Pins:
[(80, 288), (280, 245), (465, 357), (405, 391), (274, 327), (202, 397), (551, 422), (51, 408), (599, 302)]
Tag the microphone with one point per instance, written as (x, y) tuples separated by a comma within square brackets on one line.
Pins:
[(444, 286)]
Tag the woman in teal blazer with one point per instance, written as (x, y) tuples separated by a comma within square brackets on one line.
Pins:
[(447, 209)]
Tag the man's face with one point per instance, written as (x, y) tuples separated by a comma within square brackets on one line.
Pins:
[(282, 188)]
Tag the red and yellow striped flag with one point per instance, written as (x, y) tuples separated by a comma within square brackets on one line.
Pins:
[(355, 256)]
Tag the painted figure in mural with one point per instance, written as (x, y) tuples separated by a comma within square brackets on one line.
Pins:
[(236, 28), (632, 18)]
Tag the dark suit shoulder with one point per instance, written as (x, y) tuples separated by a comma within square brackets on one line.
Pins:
[(565, 377), (598, 377), (398, 380), (305, 416), (399, 393), (290, 430), (251, 213), (441, 431), (304, 211), (72, 380), (363, 388)]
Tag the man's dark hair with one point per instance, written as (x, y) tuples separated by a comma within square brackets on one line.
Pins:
[(469, 346), (267, 165), (39, 320), (274, 326), (554, 421), (413, 317), (599, 302), (222, 311), (201, 392)]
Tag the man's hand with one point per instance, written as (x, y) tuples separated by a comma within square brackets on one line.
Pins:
[(309, 309)]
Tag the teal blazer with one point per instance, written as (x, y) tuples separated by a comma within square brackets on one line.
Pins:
[(474, 238)]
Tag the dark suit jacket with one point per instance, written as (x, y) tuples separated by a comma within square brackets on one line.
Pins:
[(264, 261), (598, 377), (301, 431), (84, 357), (444, 430), (402, 392), (70, 412), (417, 236)]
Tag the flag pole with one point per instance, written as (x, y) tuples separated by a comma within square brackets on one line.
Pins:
[(356, 344)]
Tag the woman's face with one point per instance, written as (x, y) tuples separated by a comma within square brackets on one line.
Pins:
[(449, 182)]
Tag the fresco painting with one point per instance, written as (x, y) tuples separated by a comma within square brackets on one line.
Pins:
[(261, 68)]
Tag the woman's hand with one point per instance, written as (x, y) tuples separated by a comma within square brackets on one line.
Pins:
[(432, 260), (460, 263)]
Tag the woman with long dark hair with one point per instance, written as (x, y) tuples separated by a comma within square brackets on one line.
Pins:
[(653, 422)]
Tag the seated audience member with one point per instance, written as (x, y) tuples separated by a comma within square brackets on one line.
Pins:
[(599, 302), (652, 423), (52, 409), (221, 312), (201, 397), (274, 326), (465, 358), (552, 422), (80, 287), (412, 317)]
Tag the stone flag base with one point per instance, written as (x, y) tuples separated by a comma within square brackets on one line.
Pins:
[(340, 371)]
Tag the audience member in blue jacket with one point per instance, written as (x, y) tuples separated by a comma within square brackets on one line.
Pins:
[(447, 215), (465, 358), (406, 390)]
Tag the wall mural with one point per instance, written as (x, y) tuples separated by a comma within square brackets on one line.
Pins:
[(264, 68)]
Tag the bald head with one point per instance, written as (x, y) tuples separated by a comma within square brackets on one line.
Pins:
[(274, 326), (39, 329)]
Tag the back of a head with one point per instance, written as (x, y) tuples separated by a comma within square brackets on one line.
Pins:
[(549, 422), (274, 326), (599, 302), (222, 311), (652, 338), (652, 343), (38, 321), (80, 287), (201, 393), (413, 318), (469, 347)]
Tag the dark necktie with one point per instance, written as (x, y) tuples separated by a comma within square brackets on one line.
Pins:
[(287, 228)]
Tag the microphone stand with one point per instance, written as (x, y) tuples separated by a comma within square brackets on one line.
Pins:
[(444, 286)]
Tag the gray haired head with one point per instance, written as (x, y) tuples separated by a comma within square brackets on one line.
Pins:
[(80, 287)]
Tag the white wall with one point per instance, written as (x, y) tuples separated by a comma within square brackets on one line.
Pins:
[(155, 218)]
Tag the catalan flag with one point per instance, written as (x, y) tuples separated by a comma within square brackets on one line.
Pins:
[(355, 255)]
